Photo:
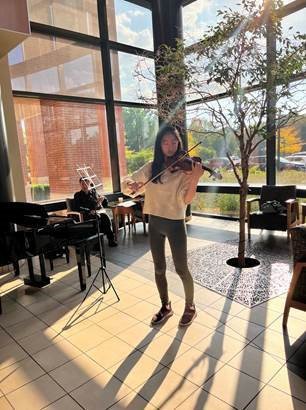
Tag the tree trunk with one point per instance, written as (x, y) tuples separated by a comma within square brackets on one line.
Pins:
[(241, 247)]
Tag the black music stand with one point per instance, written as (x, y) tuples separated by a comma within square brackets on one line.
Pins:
[(106, 281)]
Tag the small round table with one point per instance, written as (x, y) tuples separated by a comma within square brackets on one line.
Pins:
[(123, 210)]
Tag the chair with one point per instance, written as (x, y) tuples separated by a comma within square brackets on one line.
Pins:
[(76, 215), (296, 296), (139, 216), (288, 218)]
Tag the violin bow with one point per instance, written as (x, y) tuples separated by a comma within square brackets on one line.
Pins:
[(169, 166)]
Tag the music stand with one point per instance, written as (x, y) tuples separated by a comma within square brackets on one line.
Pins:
[(106, 281)]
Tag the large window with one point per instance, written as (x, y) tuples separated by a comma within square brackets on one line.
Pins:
[(216, 204), (136, 130), (67, 127), (291, 138), (126, 84), (55, 138), (75, 15), (129, 24), (47, 64), (200, 14)]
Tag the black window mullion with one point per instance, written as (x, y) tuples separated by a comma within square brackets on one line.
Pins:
[(47, 30), (109, 95)]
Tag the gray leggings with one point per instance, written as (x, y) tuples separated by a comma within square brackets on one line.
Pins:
[(175, 231)]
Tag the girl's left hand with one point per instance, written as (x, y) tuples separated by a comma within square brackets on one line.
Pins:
[(197, 170)]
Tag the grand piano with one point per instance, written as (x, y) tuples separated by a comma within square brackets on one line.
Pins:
[(26, 230)]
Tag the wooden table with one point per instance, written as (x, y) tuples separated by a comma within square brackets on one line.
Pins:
[(122, 211)]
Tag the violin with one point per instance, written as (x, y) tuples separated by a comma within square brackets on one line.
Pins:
[(186, 164)]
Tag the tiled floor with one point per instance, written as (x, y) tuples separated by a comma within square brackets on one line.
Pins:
[(110, 357)]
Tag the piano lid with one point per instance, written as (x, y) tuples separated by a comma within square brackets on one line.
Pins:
[(23, 213)]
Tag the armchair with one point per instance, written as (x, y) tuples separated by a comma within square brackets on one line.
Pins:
[(282, 221), (296, 296), (78, 216)]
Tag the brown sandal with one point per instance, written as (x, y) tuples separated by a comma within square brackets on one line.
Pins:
[(164, 312), (189, 315)]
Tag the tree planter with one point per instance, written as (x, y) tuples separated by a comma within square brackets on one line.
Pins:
[(249, 263)]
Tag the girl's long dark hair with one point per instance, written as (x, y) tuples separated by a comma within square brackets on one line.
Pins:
[(158, 161)]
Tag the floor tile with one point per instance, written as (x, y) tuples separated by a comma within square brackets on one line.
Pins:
[(200, 400), (260, 316), (276, 344), (290, 382), (118, 323), (126, 300), (26, 328), (166, 390), (57, 314), (100, 392), (4, 404), (195, 366), (124, 284), (165, 349), (19, 374), (10, 354), (67, 329), (211, 318), (56, 355), (18, 315), (65, 403), (277, 304), (273, 399), (43, 306), (36, 395), (110, 352), (139, 335), (241, 329), (296, 328), (257, 363), (40, 340), (89, 338), (132, 402), (190, 335), (5, 338), (104, 312), (142, 311), (76, 372), (235, 388), (143, 291), (299, 357), (219, 346), (135, 369), (228, 306)]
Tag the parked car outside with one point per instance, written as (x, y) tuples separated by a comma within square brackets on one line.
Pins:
[(223, 162), (297, 158), (260, 162)]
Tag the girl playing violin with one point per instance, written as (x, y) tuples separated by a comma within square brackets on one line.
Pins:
[(166, 198)]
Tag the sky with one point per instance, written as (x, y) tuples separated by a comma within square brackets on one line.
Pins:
[(198, 15), (134, 24)]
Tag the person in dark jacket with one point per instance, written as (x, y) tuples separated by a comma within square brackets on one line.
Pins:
[(88, 201)]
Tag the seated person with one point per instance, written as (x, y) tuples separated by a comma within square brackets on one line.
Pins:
[(88, 198)]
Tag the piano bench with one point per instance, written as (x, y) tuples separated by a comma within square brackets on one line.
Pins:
[(55, 254), (82, 249)]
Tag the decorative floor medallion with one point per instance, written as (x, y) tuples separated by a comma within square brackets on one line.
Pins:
[(250, 286)]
